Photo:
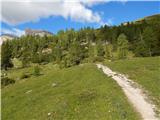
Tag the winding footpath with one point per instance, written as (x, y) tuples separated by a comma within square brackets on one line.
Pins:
[(134, 94)]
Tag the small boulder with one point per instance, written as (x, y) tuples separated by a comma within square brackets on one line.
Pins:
[(54, 84), (29, 91), (49, 114)]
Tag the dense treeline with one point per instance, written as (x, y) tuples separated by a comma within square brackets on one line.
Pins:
[(70, 47)]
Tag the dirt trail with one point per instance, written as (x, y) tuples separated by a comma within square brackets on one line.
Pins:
[(135, 95)]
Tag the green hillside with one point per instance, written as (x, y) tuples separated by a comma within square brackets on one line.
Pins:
[(154, 19), (77, 93)]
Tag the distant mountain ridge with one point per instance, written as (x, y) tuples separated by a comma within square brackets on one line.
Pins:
[(41, 33), (5, 37), (37, 32)]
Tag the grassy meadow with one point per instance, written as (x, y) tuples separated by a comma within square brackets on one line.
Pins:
[(144, 71), (78, 93)]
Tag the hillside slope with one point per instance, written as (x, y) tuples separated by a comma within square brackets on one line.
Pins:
[(81, 92), (153, 19)]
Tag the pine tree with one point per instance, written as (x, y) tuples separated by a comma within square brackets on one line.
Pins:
[(6, 55), (91, 52), (122, 43), (100, 49), (75, 53), (25, 57), (57, 53), (109, 51), (141, 47), (150, 39)]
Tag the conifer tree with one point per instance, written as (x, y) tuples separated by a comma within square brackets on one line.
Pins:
[(150, 40), (6, 55), (122, 43), (109, 51)]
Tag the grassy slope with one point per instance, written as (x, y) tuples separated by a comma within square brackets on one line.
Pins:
[(82, 93), (145, 71), (154, 19)]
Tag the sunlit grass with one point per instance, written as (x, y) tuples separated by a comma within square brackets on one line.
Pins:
[(77, 93), (145, 71)]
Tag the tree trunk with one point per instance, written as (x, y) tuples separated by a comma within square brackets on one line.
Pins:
[(150, 54)]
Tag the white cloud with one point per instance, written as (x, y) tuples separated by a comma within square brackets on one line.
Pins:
[(17, 11), (90, 3), (12, 31)]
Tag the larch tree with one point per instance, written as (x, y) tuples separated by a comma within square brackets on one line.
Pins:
[(122, 43)]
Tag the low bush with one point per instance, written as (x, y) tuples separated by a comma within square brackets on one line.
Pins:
[(36, 71), (6, 81), (24, 75), (130, 55), (98, 59)]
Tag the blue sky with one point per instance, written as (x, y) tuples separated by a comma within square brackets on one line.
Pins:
[(94, 15)]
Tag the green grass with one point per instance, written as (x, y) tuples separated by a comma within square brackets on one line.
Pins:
[(144, 71), (81, 93)]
